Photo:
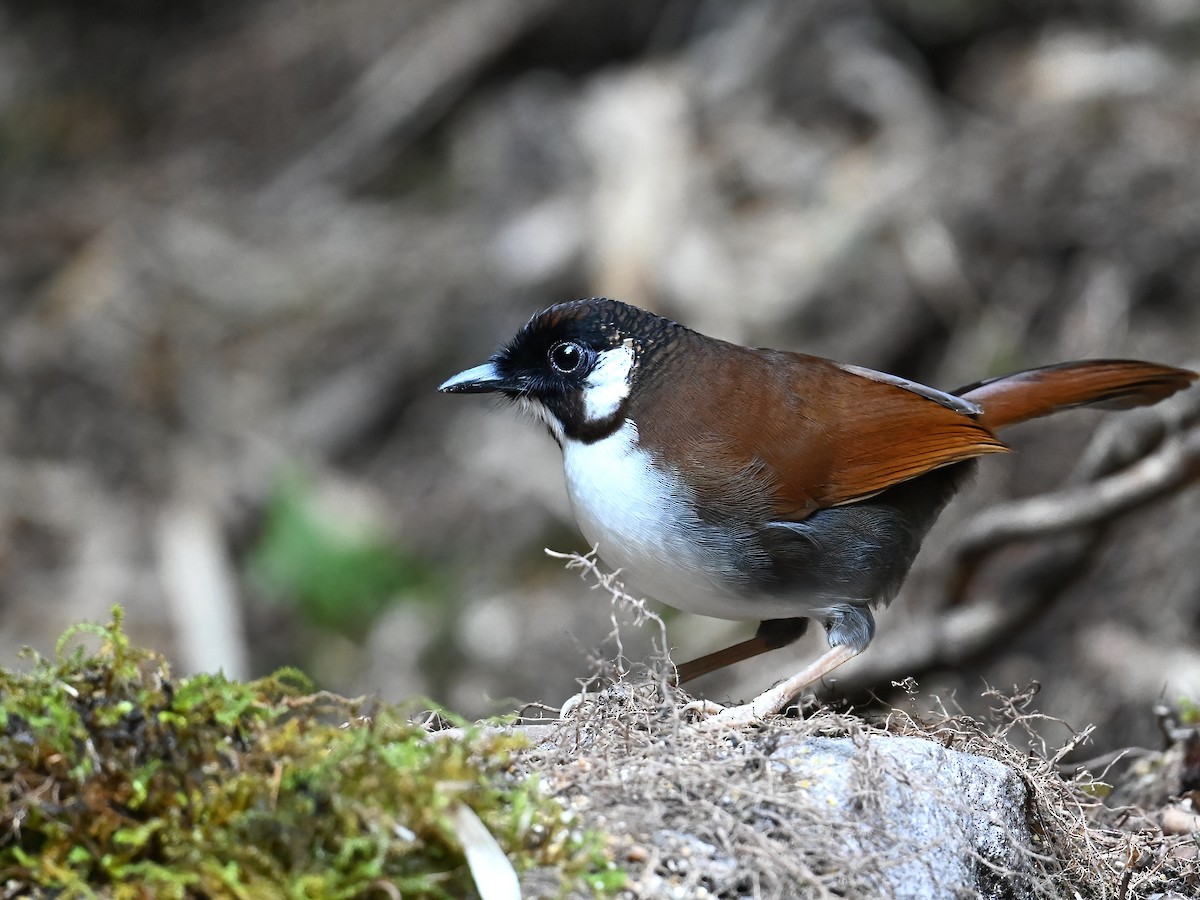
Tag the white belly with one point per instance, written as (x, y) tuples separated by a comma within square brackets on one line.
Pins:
[(641, 522)]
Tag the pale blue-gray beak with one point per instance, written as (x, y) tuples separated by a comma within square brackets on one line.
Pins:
[(479, 380)]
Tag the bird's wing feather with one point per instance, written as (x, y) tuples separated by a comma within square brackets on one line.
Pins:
[(810, 433), (893, 430)]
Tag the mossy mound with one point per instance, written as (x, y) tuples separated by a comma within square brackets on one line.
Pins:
[(117, 780)]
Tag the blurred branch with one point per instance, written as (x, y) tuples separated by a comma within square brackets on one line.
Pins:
[(1130, 463), (337, 416), (949, 638), (1175, 464), (200, 588), (407, 89)]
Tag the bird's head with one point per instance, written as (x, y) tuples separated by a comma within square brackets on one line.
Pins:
[(574, 366)]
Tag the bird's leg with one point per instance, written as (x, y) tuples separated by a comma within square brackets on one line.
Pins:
[(850, 628), (771, 635), (775, 700)]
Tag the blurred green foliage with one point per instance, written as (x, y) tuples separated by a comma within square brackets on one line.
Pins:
[(120, 781), (1189, 712), (340, 572)]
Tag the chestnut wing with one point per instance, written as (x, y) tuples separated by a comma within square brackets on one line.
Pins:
[(770, 435)]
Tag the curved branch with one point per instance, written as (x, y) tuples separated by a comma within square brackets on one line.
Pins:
[(1174, 464)]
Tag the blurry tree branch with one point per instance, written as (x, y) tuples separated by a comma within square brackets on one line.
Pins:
[(201, 591), (1175, 464), (406, 89), (1131, 462)]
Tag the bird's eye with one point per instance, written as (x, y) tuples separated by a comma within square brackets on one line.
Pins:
[(566, 357)]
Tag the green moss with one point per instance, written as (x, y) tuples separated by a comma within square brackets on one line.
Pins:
[(119, 781)]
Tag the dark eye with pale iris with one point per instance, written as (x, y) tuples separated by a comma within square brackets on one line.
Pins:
[(566, 357)]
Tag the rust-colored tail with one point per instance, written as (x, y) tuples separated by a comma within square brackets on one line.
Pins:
[(1104, 383)]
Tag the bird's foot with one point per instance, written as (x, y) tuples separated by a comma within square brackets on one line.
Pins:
[(775, 700), (768, 703), (702, 708)]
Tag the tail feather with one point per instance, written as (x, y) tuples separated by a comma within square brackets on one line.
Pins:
[(1103, 383)]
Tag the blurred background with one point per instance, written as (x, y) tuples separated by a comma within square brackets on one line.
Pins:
[(242, 243)]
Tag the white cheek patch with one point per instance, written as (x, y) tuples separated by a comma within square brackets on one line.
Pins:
[(608, 384)]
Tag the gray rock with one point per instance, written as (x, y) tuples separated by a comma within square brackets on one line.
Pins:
[(933, 822)]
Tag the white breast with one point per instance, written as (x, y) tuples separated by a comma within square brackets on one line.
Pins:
[(641, 521)]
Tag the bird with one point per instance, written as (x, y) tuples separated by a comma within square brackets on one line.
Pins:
[(766, 485)]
